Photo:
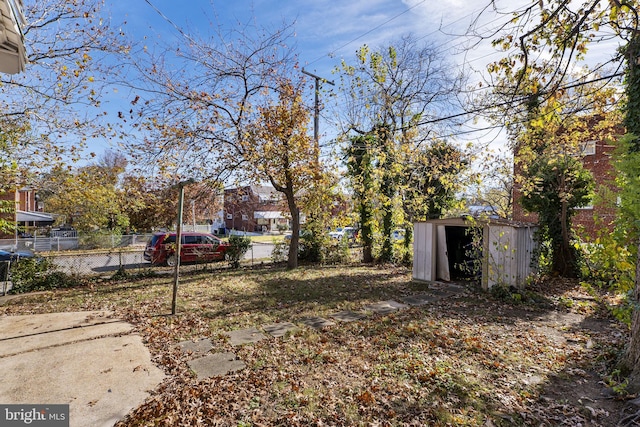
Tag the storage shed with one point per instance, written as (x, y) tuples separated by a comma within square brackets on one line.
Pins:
[(494, 251)]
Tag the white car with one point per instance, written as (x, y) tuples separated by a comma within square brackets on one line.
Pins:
[(342, 233)]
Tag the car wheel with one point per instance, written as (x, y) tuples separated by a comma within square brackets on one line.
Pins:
[(171, 260)]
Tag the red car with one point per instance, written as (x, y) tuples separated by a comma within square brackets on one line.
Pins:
[(196, 247)]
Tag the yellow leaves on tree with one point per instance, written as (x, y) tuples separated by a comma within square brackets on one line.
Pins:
[(278, 145)]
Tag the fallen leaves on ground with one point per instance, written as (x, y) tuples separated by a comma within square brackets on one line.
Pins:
[(467, 359)]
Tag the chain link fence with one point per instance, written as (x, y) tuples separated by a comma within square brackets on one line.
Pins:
[(72, 242), (102, 255)]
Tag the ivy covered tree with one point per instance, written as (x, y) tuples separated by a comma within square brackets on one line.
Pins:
[(558, 185), (360, 155), (390, 94), (552, 178)]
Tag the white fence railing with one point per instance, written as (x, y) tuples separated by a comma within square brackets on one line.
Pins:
[(58, 243)]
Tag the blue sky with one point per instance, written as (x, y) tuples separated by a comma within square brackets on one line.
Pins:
[(326, 31)]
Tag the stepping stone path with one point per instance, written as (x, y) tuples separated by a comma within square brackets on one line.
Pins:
[(348, 316), (196, 347), (385, 307), (317, 322), (278, 330), (208, 364), (215, 364), (245, 336)]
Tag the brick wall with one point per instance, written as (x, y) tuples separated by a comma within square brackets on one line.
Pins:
[(584, 222), (241, 203)]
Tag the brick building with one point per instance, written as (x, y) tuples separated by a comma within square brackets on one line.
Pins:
[(255, 208), (596, 157), (27, 213)]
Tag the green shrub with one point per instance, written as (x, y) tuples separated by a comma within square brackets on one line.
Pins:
[(239, 246), (38, 274), (402, 255), (611, 266), (336, 251), (312, 243), (280, 251)]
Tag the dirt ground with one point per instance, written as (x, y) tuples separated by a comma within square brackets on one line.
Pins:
[(582, 395)]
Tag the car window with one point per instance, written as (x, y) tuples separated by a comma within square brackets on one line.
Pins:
[(210, 240), (169, 239), (190, 240)]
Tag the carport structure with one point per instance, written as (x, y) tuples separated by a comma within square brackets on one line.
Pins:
[(452, 249)]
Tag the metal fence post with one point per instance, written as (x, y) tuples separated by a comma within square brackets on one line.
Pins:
[(4, 269)]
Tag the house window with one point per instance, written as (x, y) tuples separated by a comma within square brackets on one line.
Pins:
[(245, 217), (229, 216), (589, 148)]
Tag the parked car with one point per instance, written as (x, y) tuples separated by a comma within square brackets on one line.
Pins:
[(14, 256), (303, 235), (349, 233), (195, 247), (398, 234)]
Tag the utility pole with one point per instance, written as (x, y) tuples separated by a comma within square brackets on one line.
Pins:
[(176, 270), (316, 116)]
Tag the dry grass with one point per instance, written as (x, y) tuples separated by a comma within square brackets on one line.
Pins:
[(465, 360)]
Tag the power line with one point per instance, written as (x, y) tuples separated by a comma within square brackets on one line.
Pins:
[(368, 32), (166, 18), (524, 98), (429, 121)]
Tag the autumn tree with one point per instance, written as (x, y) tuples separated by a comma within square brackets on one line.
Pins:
[(11, 142), (90, 198), (433, 176), (151, 206), (492, 184), (50, 110), (152, 203), (281, 151), (194, 103), (391, 94), (545, 41), (68, 43)]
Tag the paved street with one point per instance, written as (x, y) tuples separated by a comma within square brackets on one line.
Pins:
[(102, 262)]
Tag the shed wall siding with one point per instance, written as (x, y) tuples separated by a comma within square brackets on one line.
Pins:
[(424, 257), (507, 252)]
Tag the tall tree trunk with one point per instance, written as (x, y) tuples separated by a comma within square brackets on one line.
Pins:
[(388, 190), (632, 123), (366, 231), (408, 239), (292, 262), (564, 258), (387, 220)]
